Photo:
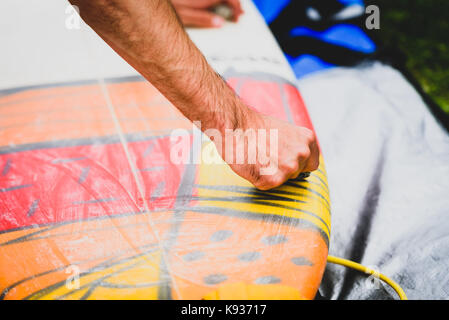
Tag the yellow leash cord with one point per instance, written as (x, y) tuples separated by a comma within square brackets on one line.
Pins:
[(359, 267)]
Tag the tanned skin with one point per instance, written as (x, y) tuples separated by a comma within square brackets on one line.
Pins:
[(149, 35)]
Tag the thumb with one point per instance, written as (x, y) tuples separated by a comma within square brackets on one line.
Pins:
[(200, 18)]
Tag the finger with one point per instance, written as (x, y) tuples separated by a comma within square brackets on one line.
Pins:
[(295, 175), (200, 18), (314, 159), (197, 4)]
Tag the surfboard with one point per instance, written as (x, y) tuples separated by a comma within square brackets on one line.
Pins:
[(93, 207)]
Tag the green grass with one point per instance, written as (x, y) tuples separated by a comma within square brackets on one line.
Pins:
[(420, 29)]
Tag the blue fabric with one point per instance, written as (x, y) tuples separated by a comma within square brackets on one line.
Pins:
[(351, 2), (270, 9), (348, 35), (306, 64)]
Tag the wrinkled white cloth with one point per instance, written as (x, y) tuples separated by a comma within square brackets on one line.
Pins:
[(388, 168)]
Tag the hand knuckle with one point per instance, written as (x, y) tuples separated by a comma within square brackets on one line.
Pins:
[(309, 135), (313, 165), (291, 166), (304, 153)]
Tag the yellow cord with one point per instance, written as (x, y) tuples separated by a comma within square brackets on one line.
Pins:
[(359, 267)]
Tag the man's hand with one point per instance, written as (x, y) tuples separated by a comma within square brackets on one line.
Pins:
[(197, 13), (268, 162)]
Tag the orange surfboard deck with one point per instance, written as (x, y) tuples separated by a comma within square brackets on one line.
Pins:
[(91, 207)]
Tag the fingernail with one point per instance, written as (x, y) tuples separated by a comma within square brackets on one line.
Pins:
[(217, 21)]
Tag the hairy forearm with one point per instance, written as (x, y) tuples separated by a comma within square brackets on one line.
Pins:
[(150, 37)]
